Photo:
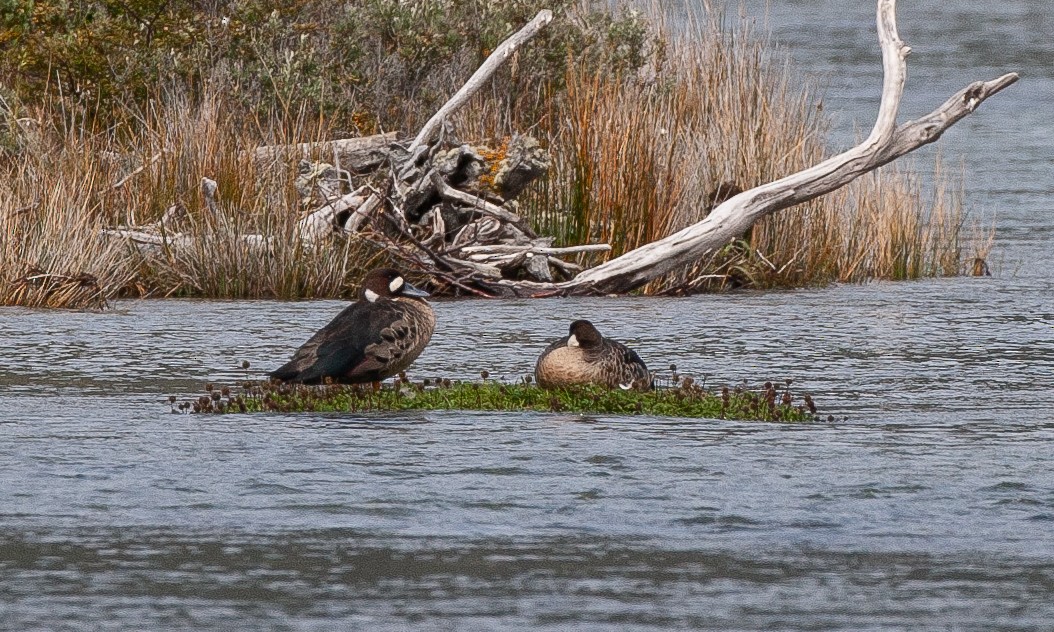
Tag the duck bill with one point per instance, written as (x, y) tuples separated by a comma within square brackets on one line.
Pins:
[(410, 290)]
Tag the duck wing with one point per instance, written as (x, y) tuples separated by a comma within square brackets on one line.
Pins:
[(361, 344), (630, 369)]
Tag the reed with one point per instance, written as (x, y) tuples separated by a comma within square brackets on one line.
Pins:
[(70, 185), (50, 251), (641, 156)]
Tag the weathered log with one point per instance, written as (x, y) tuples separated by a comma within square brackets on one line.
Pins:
[(457, 165), (153, 242), (538, 267), (332, 216), (566, 267), (732, 218), (357, 155)]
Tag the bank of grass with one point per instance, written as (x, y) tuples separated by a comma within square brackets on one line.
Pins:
[(644, 126), (683, 399), (62, 196)]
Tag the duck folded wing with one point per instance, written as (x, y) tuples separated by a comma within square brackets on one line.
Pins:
[(349, 348)]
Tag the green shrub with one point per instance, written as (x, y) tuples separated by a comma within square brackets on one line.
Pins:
[(365, 65)]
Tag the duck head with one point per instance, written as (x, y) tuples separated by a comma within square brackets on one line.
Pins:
[(387, 283), (584, 334)]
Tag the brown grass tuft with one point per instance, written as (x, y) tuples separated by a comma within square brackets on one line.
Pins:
[(64, 195)]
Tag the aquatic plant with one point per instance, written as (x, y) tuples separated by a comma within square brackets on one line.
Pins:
[(682, 397)]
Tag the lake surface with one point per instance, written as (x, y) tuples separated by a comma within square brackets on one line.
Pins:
[(928, 503)]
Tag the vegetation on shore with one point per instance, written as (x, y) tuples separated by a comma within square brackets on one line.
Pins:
[(684, 398), (112, 113)]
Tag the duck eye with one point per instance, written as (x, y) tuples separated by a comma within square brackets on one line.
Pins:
[(396, 283)]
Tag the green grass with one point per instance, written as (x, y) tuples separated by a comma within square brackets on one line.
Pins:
[(685, 399)]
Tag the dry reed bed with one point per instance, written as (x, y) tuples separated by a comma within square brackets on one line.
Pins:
[(635, 158), (638, 159)]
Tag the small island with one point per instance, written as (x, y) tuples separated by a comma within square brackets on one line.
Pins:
[(677, 397)]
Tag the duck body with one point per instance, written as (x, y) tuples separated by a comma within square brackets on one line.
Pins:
[(586, 357), (372, 339)]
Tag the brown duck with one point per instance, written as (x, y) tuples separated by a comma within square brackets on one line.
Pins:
[(586, 357), (374, 338)]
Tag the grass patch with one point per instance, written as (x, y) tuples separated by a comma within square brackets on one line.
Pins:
[(685, 399)]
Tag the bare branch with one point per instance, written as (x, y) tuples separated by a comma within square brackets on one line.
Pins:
[(480, 77), (732, 218)]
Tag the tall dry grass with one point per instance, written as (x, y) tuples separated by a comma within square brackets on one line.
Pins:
[(638, 153), (62, 196), (639, 157), (50, 251)]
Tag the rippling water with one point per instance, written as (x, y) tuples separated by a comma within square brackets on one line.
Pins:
[(927, 504)]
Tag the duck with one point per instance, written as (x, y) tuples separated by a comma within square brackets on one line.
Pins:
[(586, 357), (374, 338)]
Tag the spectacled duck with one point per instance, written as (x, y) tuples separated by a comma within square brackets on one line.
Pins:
[(586, 357), (374, 338)]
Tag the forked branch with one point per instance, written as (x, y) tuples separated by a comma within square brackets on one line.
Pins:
[(732, 218)]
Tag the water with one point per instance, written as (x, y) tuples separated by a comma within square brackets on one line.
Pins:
[(927, 504)]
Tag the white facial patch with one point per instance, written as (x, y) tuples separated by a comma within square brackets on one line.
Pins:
[(372, 296), (572, 341), (396, 283)]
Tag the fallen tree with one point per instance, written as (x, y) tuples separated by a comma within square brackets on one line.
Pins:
[(446, 208)]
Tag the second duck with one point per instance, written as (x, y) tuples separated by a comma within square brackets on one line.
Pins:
[(586, 357)]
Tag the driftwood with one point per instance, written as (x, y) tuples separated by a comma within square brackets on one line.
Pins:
[(732, 218), (494, 61), (735, 211), (357, 155), (447, 208), (441, 196)]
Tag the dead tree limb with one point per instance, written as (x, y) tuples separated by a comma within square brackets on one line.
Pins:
[(733, 217), (475, 203), (480, 77)]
